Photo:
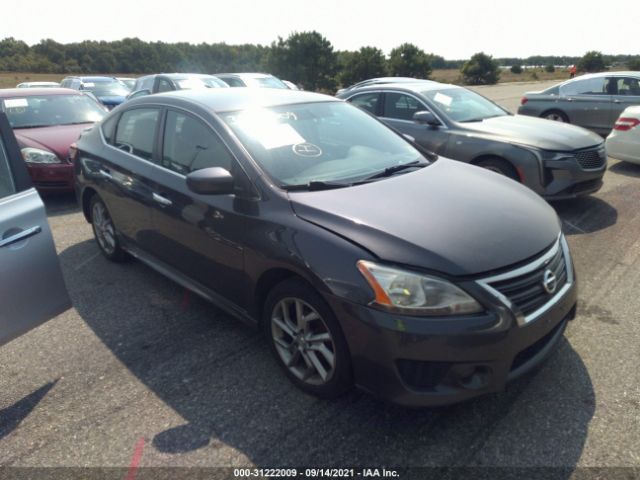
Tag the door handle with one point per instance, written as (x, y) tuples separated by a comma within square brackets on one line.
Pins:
[(105, 173), (19, 236), (164, 201), (616, 101), (569, 99)]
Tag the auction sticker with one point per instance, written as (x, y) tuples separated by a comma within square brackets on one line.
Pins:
[(15, 102), (307, 150)]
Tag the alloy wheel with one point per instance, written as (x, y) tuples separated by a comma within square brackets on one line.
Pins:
[(103, 228), (303, 341)]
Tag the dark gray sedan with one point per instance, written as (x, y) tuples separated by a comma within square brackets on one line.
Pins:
[(592, 101), (556, 161)]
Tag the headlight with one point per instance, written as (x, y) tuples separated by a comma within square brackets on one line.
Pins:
[(414, 294), (35, 155)]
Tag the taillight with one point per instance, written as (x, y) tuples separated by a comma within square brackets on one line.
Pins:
[(73, 152), (523, 100), (625, 123)]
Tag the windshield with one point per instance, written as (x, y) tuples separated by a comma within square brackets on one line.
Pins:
[(193, 83), (264, 82), (462, 105), (50, 110), (106, 89), (319, 142)]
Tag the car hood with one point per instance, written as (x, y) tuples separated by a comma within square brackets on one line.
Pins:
[(448, 217), (536, 132), (56, 139)]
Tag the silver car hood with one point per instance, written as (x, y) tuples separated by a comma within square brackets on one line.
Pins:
[(536, 132)]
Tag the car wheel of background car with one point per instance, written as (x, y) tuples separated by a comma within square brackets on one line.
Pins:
[(556, 116), (306, 339), (500, 166), (105, 231)]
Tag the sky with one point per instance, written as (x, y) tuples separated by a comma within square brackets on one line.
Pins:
[(454, 29)]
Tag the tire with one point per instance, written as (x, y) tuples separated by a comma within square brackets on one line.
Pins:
[(500, 166), (556, 116), (304, 349), (105, 232)]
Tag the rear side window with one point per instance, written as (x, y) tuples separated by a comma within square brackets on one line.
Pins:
[(6, 180), (628, 86), (164, 86), (190, 145), (136, 131), (367, 101), (233, 81)]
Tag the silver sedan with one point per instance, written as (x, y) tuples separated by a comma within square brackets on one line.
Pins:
[(592, 101)]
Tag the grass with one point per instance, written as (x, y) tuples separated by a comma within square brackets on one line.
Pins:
[(529, 75)]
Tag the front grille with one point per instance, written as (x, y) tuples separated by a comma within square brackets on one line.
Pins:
[(591, 159), (422, 375), (526, 290)]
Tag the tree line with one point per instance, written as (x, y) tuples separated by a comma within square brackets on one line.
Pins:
[(306, 58)]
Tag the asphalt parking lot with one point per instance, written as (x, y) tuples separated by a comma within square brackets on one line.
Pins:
[(140, 371)]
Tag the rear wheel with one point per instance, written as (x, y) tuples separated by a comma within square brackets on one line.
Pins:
[(556, 116), (306, 339), (500, 166), (105, 231)]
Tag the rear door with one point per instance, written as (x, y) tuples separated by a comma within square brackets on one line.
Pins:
[(32, 289), (587, 103)]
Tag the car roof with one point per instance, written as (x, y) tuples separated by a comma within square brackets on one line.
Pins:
[(34, 92), (93, 78), (418, 86), (604, 74), (233, 99), (246, 74)]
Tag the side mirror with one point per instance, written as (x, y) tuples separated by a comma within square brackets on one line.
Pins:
[(426, 118), (211, 181)]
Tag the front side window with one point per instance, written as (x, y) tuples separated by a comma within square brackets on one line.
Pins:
[(7, 186), (190, 145), (367, 101), (234, 82), (319, 142), (400, 106), (51, 110), (587, 86), (136, 131)]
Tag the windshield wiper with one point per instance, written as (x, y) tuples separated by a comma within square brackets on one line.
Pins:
[(315, 185), (387, 172), (33, 126)]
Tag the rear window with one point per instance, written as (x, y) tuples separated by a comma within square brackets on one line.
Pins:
[(51, 110)]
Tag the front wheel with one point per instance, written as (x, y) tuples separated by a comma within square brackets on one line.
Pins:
[(306, 339), (501, 166)]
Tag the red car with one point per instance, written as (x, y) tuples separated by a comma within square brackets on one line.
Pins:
[(46, 122)]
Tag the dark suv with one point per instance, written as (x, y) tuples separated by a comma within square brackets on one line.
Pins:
[(363, 258)]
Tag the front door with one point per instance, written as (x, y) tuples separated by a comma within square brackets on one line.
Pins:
[(32, 288), (398, 111), (197, 234)]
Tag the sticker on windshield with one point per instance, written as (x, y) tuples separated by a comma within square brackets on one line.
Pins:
[(443, 99), (278, 135), (16, 103), (88, 84), (307, 150)]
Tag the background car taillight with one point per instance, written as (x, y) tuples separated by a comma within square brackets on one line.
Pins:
[(523, 100), (625, 123)]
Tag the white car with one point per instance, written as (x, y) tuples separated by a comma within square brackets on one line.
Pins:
[(38, 85), (623, 142)]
